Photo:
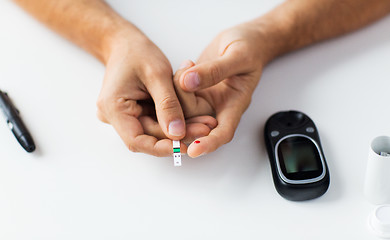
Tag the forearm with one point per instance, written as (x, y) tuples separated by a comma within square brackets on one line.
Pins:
[(298, 23), (91, 24)]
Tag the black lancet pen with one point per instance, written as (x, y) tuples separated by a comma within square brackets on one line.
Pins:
[(15, 123)]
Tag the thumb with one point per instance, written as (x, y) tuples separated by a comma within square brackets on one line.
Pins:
[(191, 104), (168, 110), (207, 74)]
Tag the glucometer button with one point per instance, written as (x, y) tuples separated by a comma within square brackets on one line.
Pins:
[(309, 129), (274, 133)]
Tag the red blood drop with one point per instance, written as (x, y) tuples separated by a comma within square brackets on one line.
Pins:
[(197, 141)]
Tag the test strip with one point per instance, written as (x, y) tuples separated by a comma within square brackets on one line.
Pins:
[(176, 153)]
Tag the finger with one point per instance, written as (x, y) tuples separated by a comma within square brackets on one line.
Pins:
[(199, 127), (158, 148), (209, 121), (131, 132), (168, 110), (191, 104), (101, 116), (195, 128), (195, 131), (228, 120), (152, 127), (209, 73)]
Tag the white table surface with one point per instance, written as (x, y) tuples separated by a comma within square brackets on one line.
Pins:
[(82, 182)]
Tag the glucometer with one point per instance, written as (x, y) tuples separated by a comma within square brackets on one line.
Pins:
[(297, 160)]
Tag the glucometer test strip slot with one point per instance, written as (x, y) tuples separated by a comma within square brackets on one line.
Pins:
[(15, 123)]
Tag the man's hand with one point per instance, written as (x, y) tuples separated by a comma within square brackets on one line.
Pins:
[(138, 88), (138, 97), (222, 81), (229, 69)]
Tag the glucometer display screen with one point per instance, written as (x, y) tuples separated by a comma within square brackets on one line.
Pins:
[(299, 158)]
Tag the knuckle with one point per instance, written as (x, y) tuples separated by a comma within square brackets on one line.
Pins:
[(101, 117), (100, 104), (230, 137), (126, 106), (230, 134), (169, 103), (159, 154), (153, 71), (100, 112), (215, 73), (111, 106), (132, 146), (122, 104), (148, 70)]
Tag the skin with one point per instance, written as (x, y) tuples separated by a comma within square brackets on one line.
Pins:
[(138, 96), (137, 93), (230, 67)]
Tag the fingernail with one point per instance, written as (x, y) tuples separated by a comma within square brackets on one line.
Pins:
[(176, 128), (191, 80), (185, 64)]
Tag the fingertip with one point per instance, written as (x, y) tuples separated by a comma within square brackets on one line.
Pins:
[(190, 81), (186, 64), (169, 113), (197, 148), (151, 145), (180, 74), (177, 129)]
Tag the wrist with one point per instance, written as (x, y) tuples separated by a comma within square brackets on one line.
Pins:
[(275, 36), (121, 35)]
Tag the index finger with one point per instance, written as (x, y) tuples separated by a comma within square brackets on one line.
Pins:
[(228, 119)]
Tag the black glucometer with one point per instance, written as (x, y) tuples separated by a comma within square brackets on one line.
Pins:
[(297, 160)]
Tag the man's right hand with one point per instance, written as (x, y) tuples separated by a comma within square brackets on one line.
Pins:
[(138, 98)]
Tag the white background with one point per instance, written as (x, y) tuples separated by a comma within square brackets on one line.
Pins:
[(82, 182)]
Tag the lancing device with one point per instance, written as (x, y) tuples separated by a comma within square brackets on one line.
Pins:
[(15, 123)]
